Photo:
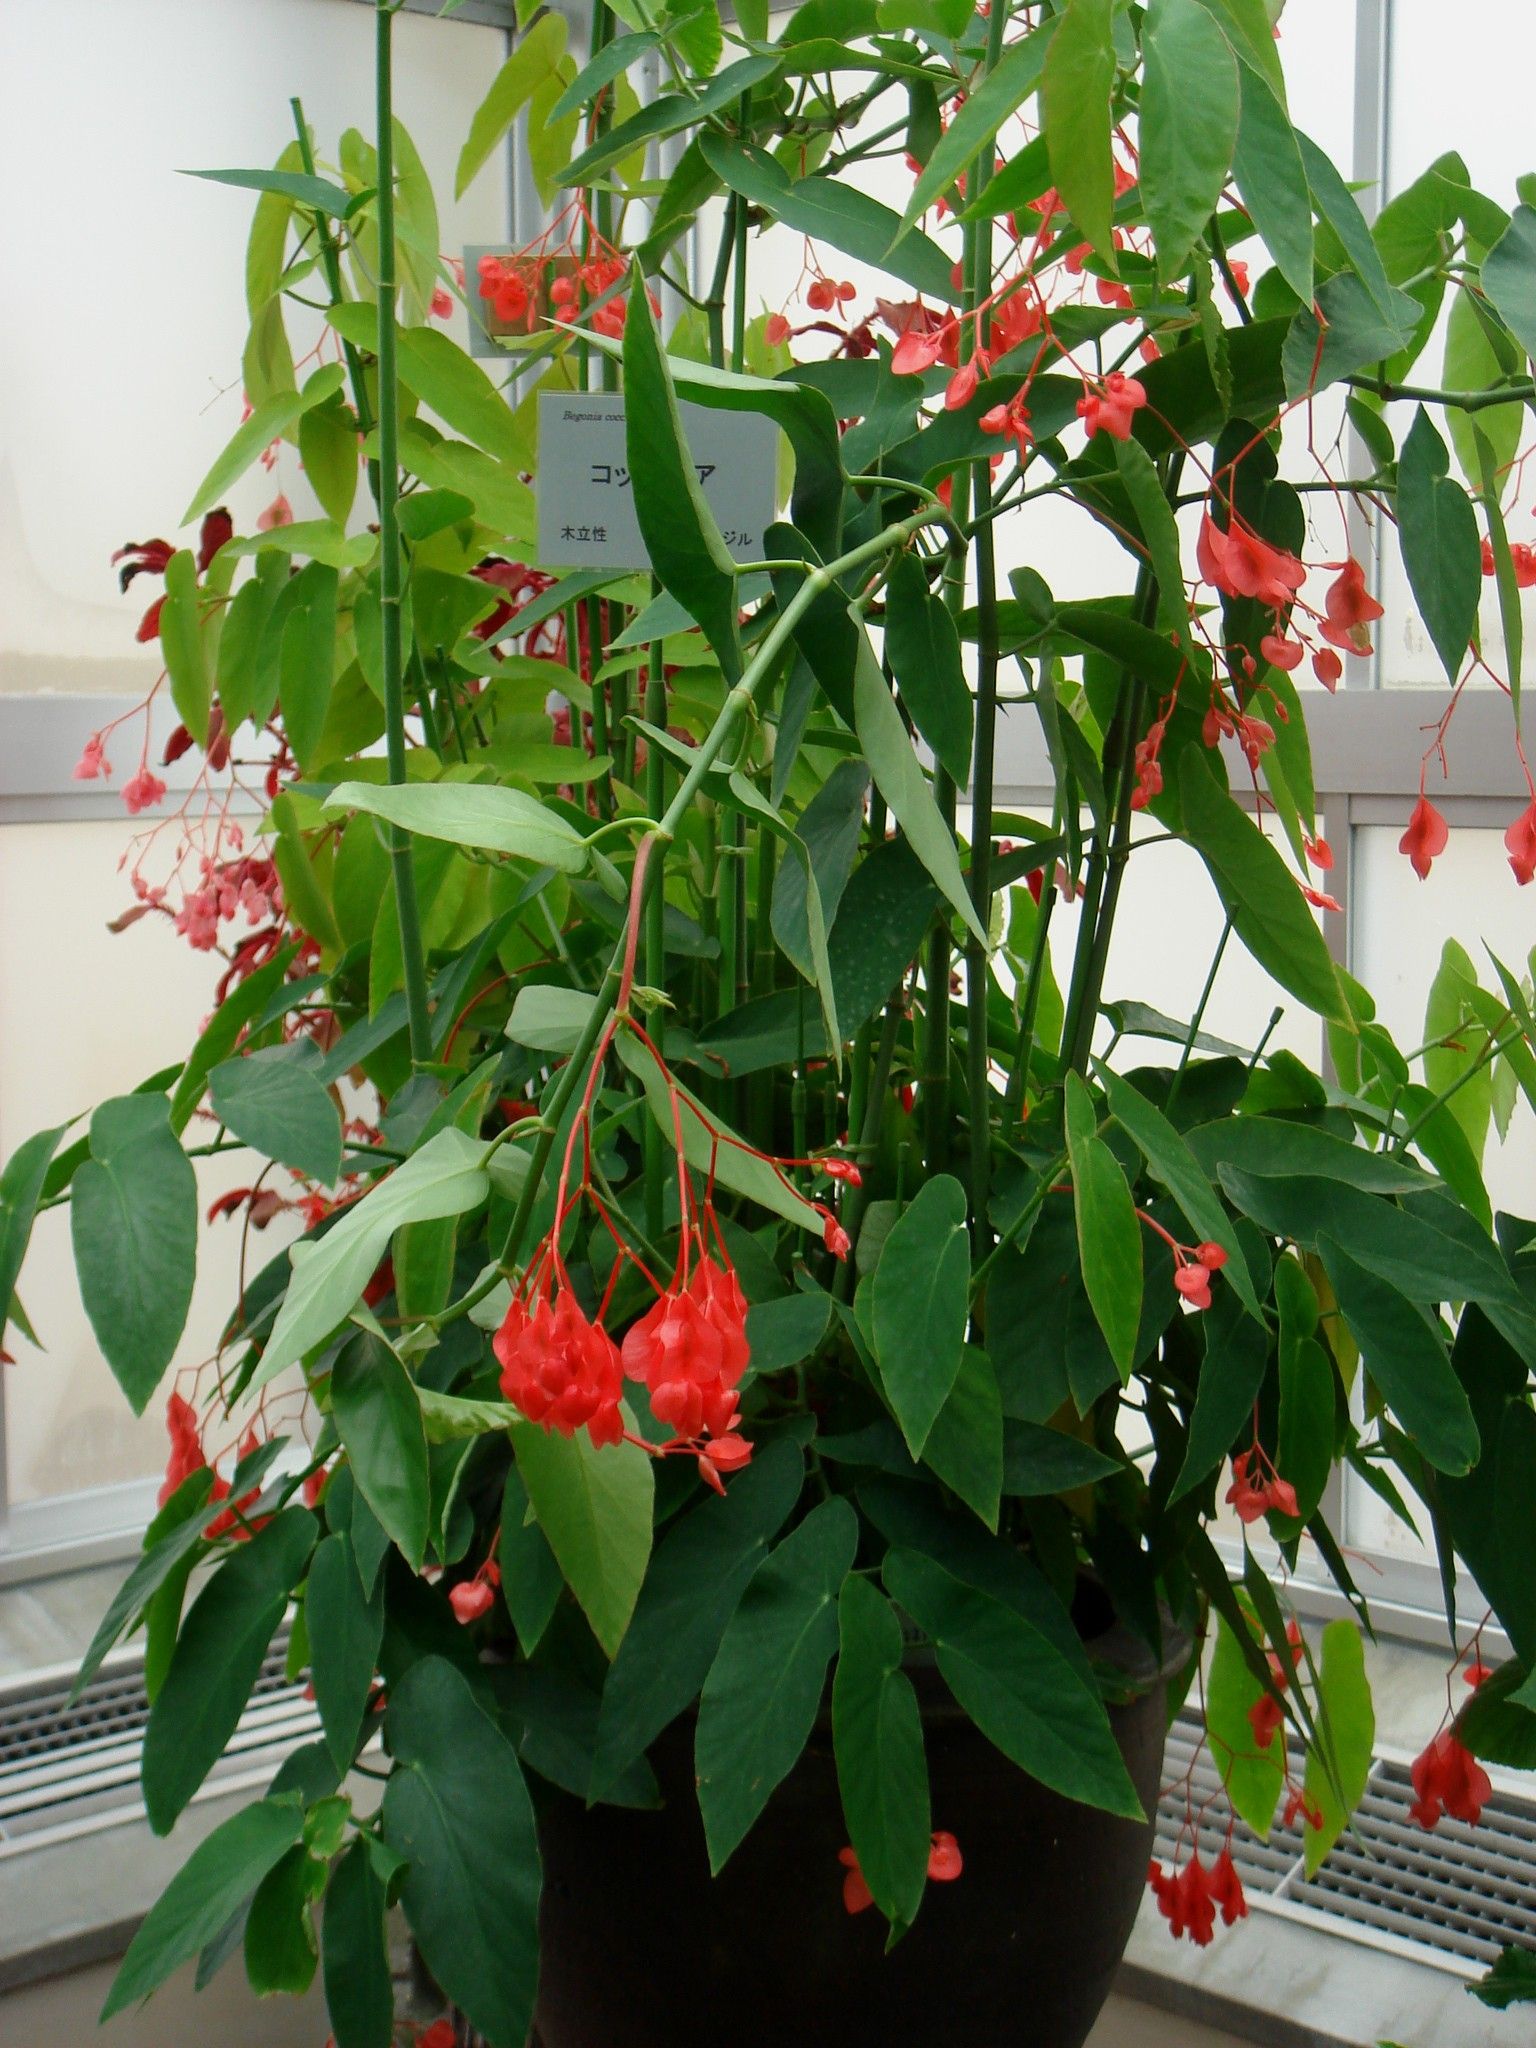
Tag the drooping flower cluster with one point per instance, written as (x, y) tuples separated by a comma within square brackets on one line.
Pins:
[(188, 1456), (559, 1369), (1257, 1488), (1447, 1778), (1188, 1899)]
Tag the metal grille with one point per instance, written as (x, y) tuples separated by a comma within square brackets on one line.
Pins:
[(1451, 1898), (67, 1770)]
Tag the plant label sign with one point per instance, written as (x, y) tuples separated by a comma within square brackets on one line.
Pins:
[(587, 506)]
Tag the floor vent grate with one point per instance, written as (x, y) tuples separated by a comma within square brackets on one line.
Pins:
[(71, 1769), (1452, 1898)]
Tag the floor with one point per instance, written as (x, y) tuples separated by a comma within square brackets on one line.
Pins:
[(62, 2014)]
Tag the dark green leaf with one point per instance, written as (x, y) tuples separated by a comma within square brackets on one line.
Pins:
[(1075, 90), (923, 649), (760, 1698), (785, 1332), (1275, 1146), (877, 1737), (610, 62), (681, 537), (218, 1656), (378, 1417), (307, 659), (829, 829), (1341, 209), (1437, 532), (277, 1104), (359, 1996), (345, 1630), (1038, 1461), (1511, 1981), (1236, 1353), (1015, 1684), (1188, 125), (531, 1579), (280, 1950), (1171, 1161), (921, 1306), (245, 1002), (21, 1188), (204, 1895), (697, 1576), (133, 1220), (1273, 182), (1108, 1230), (965, 1445), (1258, 890), (1406, 1356), (471, 1888)]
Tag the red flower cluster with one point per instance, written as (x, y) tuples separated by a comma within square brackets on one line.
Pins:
[(560, 1370), (1449, 1779), (187, 1456), (1426, 838), (1113, 407), (1523, 557), (945, 1863), (690, 1350), (1257, 1488), (1188, 1899)]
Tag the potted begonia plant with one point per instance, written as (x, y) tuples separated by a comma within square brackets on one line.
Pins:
[(765, 1341)]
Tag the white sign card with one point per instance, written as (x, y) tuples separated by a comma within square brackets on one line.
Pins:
[(587, 503)]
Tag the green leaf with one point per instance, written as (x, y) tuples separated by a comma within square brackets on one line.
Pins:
[(1249, 26), (681, 538), (921, 1304), (1016, 1685), (133, 1221), (1108, 1229), (181, 644), (1511, 616), (765, 1685), (877, 1738), (484, 815), (1273, 182), (1170, 1160), (842, 216), (1188, 125), (307, 659), (1437, 532), (266, 424), (785, 1332), (21, 1189), (437, 370), (1454, 1046), (594, 1507), (1252, 1776), (668, 115), (328, 451), (1509, 277), (359, 1994), (1341, 209), (1338, 1770), (280, 1949), (900, 780), (377, 1414), (444, 1178), (246, 1001), (531, 1580), (829, 829), (204, 1895), (1276, 1147), (1511, 1981), (1075, 93), (218, 1656), (965, 1444), (1257, 889), (471, 1889), (315, 195), (1231, 1374), (923, 649), (277, 1104), (1039, 1461), (1406, 1356), (1354, 334), (345, 1630), (701, 1568), (538, 51), (610, 62)]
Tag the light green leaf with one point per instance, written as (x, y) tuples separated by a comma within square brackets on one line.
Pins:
[(268, 423), (444, 1178), (538, 50), (1252, 1776), (181, 643), (378, 1417), (479, 814), (444, 378), (1509, 277), (594, 1507), (1339, 1765)]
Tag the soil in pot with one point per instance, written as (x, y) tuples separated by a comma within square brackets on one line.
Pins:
[(642, 1949)]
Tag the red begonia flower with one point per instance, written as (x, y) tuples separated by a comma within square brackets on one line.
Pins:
[(1254, 1494), (1426, 837), (1520, 844), (1113, 407), (945, 1862), (560, 1370), (856, 1893), (1240, 564), (1351, 609), (1448, 1779), (470, 1600)]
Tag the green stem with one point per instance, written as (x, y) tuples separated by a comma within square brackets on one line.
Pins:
[(759, 673), (655, 928), (1188, 1047), (411, 951), (1519, 391), (869, 1136)]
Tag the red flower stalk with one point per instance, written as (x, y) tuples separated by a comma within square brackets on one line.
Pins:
[(1448, 1779)]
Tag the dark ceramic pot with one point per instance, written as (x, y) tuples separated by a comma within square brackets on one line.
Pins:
[(642, 1949)]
